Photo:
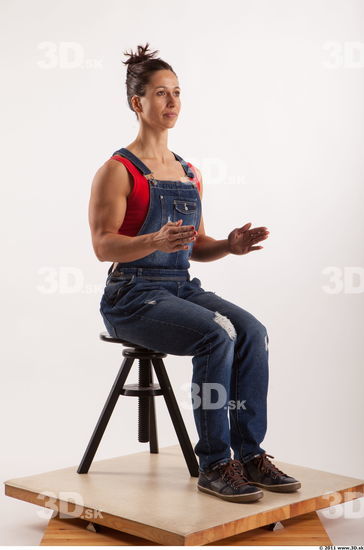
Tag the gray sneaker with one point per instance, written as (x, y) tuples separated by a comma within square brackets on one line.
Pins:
[(263, 473), (228, 481)]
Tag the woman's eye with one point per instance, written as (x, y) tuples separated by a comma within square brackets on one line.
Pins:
[(163, 92)]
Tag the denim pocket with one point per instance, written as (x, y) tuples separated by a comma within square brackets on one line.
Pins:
[(188, 209), (185, 207), (114, 291)]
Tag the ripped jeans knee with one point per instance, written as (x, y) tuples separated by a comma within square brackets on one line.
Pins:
[(226, 324)]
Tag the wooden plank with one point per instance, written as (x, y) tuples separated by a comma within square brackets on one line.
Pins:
[(305, 530)]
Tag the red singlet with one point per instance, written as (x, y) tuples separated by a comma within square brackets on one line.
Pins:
[(138, 200)]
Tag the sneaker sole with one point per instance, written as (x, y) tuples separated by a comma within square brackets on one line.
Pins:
[(248, 497), (282, 488)]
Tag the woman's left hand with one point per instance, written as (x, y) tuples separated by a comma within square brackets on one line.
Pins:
[(242, 239)]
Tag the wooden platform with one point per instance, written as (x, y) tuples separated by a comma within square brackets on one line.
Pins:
[(152, 496), (305, 530)]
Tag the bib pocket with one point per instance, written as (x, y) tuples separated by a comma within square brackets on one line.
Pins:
[(185, 210)]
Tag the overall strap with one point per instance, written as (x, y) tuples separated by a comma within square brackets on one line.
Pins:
[(144, 169), (134, 159), (187, 169)]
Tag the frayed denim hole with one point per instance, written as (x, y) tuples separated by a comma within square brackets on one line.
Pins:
[(226, 324)]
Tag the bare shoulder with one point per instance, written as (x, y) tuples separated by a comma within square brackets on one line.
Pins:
[(108, 201), (112, 177)]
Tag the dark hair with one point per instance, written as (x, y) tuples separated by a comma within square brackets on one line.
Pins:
[(141, 66)]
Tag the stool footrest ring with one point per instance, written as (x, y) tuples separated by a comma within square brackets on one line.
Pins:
[(135, 390)]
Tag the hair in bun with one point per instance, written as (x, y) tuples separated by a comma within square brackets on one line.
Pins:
[(140, 67), (140, 56)]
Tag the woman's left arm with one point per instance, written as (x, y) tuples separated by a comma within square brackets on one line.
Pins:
[(240, 240), (205, 248)]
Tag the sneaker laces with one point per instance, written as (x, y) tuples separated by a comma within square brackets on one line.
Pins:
[(265, 465), (233, 472)]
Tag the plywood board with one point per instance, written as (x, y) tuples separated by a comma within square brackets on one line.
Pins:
[(153, 496)]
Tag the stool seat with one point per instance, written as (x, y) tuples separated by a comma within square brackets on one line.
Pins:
[(145, 390), (105, 336), (137, 351)]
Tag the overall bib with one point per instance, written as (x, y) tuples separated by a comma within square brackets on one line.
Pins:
[(153, 302)]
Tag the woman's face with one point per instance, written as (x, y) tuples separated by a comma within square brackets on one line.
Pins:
[(162, 97)]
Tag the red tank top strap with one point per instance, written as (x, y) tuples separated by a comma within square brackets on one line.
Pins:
[(195, 179)]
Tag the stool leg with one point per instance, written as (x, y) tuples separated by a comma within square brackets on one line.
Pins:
[(105, 416), (153, 442), (143, 402), (176, 416), (147, 426)]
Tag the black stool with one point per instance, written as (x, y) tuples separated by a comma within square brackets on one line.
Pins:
[(145, 391)]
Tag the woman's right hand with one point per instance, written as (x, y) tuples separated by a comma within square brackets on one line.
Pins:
[(173, 237)]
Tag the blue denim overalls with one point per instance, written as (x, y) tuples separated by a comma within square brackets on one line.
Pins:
[(153, 302), (169, 201)]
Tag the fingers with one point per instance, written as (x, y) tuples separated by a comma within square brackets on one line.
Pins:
[(244, 227), (256, 235), (261, 229), (258, 230), (177, 227), (182, 229), (179, 236), (259, 233), (258, 238), (187, 238), (183, 233)]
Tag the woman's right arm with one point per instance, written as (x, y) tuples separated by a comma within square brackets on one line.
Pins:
[(107, 207)]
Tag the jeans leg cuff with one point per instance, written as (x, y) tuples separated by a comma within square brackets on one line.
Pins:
[(214, 464), (249, 457)]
